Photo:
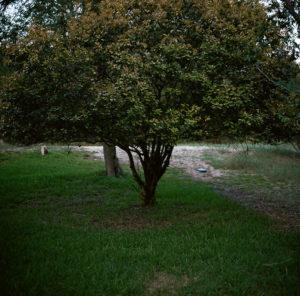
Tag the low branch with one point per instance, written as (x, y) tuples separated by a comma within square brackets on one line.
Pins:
[(167, 159), (135, 174)]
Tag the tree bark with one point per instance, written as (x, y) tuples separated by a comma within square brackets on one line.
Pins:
[(297, 142), (112, 165), (154, 162), (148, 192)]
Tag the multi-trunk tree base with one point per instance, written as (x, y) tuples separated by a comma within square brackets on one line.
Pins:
[(154, 160)]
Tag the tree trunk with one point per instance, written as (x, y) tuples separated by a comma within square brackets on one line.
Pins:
[(154, 162), (148, 193), (112, 166), (297, 142)]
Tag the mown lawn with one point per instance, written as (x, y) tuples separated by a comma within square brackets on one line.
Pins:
[(67, 229)]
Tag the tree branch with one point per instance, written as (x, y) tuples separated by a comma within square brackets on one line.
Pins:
[(135, 174), (290, 7)]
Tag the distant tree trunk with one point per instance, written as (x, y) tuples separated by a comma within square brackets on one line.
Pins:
[(297, 142), (112, 165)]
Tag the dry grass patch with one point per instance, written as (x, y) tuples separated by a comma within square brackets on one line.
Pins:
[(167, 284), (131, 219)]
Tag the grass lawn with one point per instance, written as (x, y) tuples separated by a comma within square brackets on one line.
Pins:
[(266, 178), (67, 229)]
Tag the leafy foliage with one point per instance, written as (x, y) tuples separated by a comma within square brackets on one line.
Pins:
[(143, 74), (42, 93)]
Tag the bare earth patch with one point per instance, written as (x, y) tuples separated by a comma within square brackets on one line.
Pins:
[(130, 219), (166, 284), (286, 214), (185, 157)]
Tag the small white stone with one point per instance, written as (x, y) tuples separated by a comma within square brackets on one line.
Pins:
[(44, 150)]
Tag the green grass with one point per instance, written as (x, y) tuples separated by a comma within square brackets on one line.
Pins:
[(271, 171), (279, 165), (67, 229)]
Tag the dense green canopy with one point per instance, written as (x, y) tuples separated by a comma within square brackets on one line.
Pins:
[(143, 74)]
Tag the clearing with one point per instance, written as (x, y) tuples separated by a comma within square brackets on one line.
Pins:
[(66, 228), (263, 177)]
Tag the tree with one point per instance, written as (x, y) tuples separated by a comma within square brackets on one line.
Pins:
[(54, 16), (42, 87), (286, 15), (178, 66), (288, 10), (143, 74)]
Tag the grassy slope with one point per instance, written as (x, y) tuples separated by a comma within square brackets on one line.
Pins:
[(270, 174), (67, 229), (275, 163)]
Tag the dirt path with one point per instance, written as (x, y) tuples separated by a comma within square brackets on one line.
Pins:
[(186, 157)]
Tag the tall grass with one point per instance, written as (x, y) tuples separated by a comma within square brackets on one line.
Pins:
[(279, 164)]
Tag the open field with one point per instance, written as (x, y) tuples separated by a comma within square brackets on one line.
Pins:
[(67, 229), (263, 177)]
